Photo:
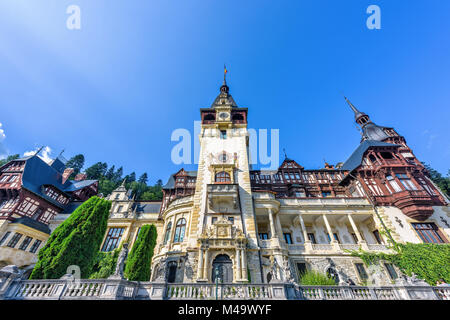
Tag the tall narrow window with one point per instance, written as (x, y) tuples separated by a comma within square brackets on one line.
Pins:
[(377, 236), (179, 230), (406, 181), (223, 134), (25, 243), (312, 238), (335, 236), (167, 235), (428, 232), (16, 237), (35, 246), (5, 236), (112, 239), (263, 236), (393, 183), (391, 271), (287, 238), (361, 271), (223, 177)]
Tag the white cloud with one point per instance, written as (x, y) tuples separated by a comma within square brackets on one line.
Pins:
[(3, 151), (44, 154)]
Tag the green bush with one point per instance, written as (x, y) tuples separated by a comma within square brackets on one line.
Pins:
[(105, 264), (138, 263), (75, 242), (428, 261), (315, 278)]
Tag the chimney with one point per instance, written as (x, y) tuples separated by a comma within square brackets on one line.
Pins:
[(328, 166), (81, 177), (66, 174)]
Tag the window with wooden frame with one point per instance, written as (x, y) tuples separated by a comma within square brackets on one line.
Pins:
[(406, 181), (16, 237), (222, 177), (113, 238), (428, 232), (24, 245)]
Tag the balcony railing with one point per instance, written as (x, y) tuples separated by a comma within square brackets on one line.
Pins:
[(108, 289)]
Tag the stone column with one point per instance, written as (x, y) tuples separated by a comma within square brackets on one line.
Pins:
[(238, 264), (302, 224), (307, 242), (244, 265), (358, 234), (200, 265), (205, 265), (355, 229), (278, 226), (272, 225), (330, 233)]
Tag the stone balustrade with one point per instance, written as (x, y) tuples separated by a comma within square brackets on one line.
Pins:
[(108, 289)]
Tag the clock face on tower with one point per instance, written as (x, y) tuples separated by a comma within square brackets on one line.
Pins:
[(223, 115)]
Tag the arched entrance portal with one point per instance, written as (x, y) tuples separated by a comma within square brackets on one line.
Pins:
[(224, 264)]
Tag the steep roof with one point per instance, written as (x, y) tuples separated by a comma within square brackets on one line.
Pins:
[(148, 207), (356, 158), (171, 182), (37, 173)]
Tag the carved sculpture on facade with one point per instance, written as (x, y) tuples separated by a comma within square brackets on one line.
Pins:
[(118, 273)]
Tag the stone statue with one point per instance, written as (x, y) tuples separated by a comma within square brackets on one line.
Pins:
[(275, 269), (160, 271), (118, 273), (287, 271)]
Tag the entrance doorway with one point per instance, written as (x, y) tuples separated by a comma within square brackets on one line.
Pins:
[(224, 265), (172, 272)]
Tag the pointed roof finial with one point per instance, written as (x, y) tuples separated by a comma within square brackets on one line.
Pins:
[(358, 114), (224, 88), (123, 182), (39, 150), (60, 154), (351, 105), (285, 155)]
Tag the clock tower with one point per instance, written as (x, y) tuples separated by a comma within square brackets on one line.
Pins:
[(222, 231)]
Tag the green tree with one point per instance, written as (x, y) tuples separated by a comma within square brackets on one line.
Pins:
[(118, 175), (76, 163), (442, 182), (137, 266), (96, 171), (75, 242), (130, 178), (106, 186), (143, 178), (110, 174), (8, 159)]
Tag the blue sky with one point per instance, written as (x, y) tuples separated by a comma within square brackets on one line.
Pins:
[(137, 70)]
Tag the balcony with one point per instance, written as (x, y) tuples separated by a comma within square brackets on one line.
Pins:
[(223, 195)]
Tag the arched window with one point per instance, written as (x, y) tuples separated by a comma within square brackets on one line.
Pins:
[(223, 177), (179, 230), (167, 235)]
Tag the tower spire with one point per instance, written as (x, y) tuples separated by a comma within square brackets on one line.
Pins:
[(360, 117), (224, 88)]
